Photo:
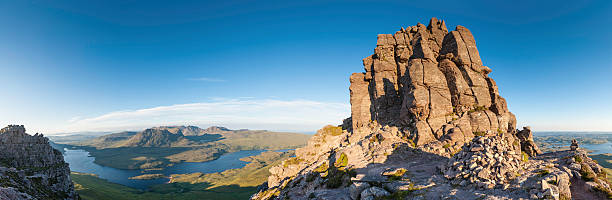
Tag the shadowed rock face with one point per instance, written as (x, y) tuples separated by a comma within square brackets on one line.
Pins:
[(31, 169), (432, 84)]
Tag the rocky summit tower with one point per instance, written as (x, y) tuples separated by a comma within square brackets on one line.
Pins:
[(432, 84), (427, 122)]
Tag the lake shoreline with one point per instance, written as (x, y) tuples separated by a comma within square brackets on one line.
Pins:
[(81, 161)]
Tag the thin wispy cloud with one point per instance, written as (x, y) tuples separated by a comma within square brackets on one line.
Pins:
[(207, 79), (291, 115)]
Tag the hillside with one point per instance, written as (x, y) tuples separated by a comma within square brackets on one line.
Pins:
[(65, 138), (427, 122), (106, 141), (253, 174), (259, 139)]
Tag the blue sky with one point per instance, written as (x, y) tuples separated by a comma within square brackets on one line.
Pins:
[(279, 65)]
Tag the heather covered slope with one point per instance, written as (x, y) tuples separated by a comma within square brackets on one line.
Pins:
[(428, 122)]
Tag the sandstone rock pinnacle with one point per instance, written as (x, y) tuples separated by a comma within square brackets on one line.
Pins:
[(432, 84)]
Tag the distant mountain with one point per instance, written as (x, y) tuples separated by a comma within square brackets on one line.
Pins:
[(183, 136), (157, 137), (217, 129), (106, 141), (65, 138), (184, 130), (164, 145)]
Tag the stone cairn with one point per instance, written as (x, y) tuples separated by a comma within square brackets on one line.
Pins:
[(485, 162), (574, 145)]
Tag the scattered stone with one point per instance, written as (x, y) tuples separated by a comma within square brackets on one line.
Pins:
[(373, 193), (356, 188), (484, 174)]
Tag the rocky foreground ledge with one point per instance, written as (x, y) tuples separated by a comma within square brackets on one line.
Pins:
[(428, 123), (31, 169)]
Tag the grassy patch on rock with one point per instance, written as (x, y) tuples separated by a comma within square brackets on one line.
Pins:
[(398, 175), (524, 156), (332, 130)]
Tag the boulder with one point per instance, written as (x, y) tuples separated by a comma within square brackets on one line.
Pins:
[(373, 193), (527, 144)]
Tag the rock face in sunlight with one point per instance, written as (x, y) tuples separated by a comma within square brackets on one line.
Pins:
[(428, 122), (31, 169), (432, 84)]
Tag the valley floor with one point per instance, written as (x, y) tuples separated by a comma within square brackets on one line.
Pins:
[(91, 187), (230, 184)]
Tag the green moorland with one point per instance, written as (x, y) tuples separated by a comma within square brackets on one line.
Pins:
[(91, 187), (152, 157), (260, 139), (252, 174), (147, 176), (160, 147), (230, 184)]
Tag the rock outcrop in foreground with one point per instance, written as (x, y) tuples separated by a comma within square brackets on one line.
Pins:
[(428, 122), (31, 169)]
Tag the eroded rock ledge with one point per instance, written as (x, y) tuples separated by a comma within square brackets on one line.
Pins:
[(30, 168)]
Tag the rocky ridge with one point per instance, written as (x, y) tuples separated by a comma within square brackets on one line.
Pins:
[(157, 137), (31, 169), (428, 123)]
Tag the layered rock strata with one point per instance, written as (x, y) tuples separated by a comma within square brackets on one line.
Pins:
[(31, 169), (432, 83)]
